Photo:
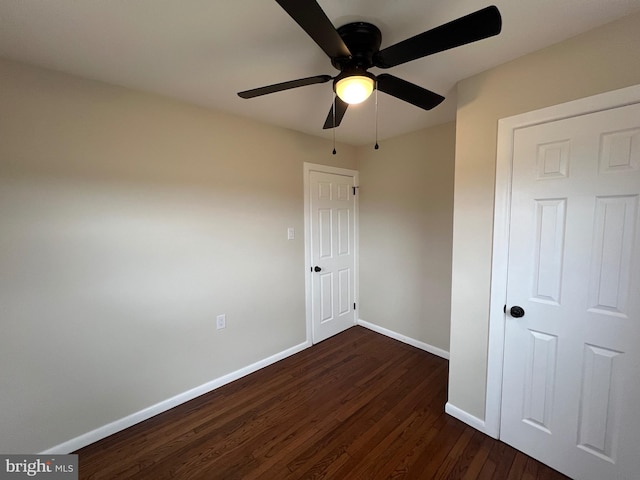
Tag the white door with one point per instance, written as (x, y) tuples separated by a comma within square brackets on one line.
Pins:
[(332, 270), (571, 373)]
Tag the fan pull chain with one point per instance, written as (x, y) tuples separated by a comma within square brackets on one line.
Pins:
[(376, 145), (333, 108)]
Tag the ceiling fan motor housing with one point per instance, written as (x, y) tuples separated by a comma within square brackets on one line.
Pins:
[(363, 40)]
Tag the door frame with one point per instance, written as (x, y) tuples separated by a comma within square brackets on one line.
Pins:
[(502, 210), (307, 169)]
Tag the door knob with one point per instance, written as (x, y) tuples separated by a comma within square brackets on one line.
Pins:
[(516, 311), (317, 269)]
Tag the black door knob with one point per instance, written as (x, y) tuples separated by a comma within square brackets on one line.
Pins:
[(317, 269), (516, 311)]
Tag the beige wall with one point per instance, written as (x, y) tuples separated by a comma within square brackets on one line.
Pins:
[(406, 206), (600, 60), (129, 221)]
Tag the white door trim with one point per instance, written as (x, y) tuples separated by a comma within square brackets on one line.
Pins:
[(506, 130), (307, 169)]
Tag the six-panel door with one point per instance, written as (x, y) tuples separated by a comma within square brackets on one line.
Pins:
[(332, 251), (572, 364)]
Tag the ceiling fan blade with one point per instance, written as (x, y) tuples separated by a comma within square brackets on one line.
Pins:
[(313, 20), (470, 28), (341, 109), (409, 92), (279, 87)]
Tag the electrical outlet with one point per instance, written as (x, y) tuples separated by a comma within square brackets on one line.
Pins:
[(221, 321)]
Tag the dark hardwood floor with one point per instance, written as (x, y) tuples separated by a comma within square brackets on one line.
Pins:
[(356, 406)]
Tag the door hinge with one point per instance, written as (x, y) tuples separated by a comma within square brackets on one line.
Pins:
[(354, 189), (354, 306)]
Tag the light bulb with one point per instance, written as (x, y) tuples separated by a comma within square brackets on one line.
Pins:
[(354, 89)]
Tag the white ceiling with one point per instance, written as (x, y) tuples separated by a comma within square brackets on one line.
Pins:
[(204, 51)]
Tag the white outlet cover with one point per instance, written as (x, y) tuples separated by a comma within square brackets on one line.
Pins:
[(291, 233), (221, 321)]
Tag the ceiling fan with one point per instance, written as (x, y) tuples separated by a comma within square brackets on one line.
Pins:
[(355, 47)]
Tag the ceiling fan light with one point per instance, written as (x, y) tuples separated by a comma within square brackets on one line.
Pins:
[(354, 89)]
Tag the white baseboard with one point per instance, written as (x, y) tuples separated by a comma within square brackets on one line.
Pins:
[(469, 419), (404, 339), (137, 417)]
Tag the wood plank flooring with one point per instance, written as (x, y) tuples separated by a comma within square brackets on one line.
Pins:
[(356, 406)]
